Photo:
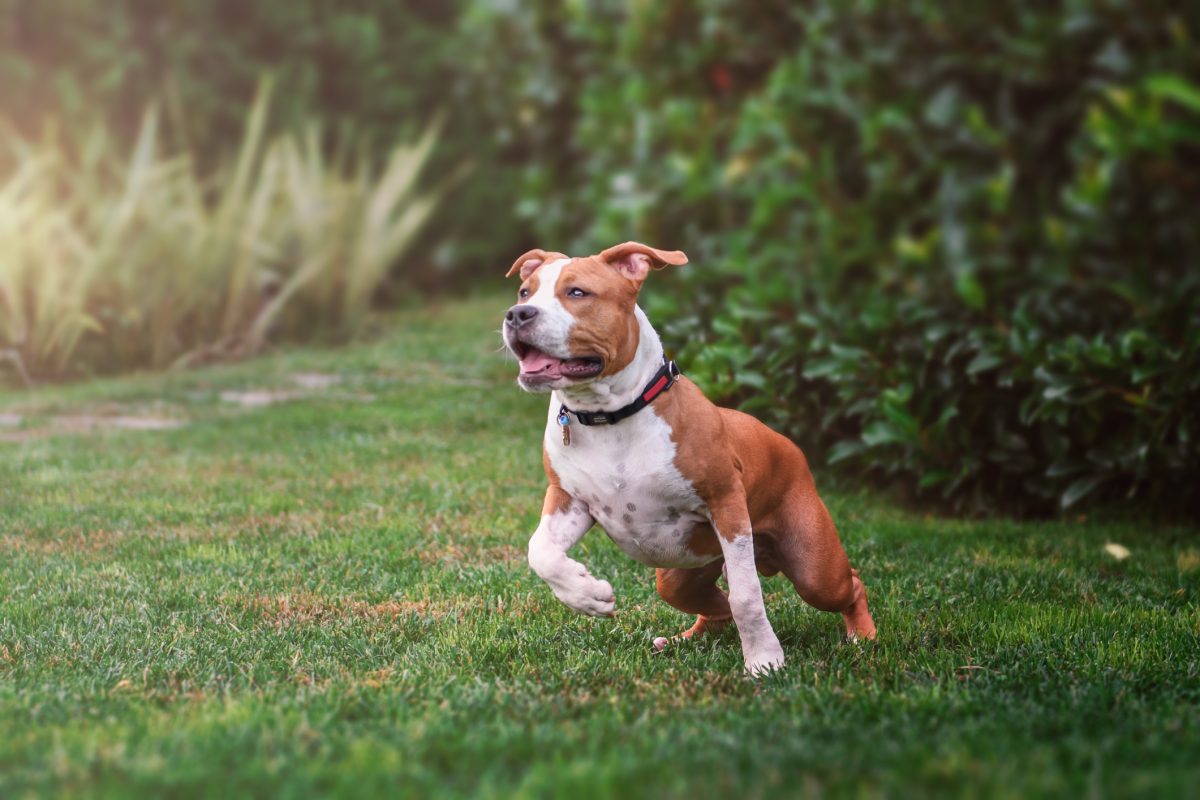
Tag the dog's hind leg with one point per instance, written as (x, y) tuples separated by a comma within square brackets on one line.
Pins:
[(694, 591), (810, 554)]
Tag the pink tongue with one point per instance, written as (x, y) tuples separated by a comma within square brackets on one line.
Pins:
[(537, 361)]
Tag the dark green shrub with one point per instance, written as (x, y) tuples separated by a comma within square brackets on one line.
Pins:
[(952, 246)]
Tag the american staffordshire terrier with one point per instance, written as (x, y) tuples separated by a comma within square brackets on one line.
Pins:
[(679, 484)]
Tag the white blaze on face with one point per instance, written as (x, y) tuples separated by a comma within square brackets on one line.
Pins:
[(553, 325)]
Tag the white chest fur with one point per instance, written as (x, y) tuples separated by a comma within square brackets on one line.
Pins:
[(626, 475)]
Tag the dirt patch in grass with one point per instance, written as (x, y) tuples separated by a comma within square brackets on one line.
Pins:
[(30, 424), (260, 398), (65, 541), (304, 385), (286, 610), (459, 553), (431, 372), (454, 540), (292, 609), (315, 380), (257, 398), (86, 424), (90, 541)]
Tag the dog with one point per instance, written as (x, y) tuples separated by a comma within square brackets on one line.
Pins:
[(679, 484)]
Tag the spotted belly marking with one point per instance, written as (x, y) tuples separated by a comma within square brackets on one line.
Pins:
[(655, 534)]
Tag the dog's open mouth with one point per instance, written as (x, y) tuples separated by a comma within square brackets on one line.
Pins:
[(540, 367)]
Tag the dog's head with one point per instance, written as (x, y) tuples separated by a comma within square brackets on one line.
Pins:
[(574, 320)]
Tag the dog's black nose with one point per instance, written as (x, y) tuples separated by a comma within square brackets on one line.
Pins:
[(520, 314)]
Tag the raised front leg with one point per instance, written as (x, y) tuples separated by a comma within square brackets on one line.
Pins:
[(760, 645), (564, 522)]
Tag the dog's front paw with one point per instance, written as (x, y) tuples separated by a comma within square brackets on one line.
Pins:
[(588, 595), (764, 661)]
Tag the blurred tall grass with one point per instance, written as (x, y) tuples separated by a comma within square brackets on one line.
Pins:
[(111, 261)]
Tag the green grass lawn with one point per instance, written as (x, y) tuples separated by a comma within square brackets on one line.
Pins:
[(328, 595)]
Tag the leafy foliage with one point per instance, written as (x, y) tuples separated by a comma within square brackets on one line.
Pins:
[(109, 262), (952, 247)]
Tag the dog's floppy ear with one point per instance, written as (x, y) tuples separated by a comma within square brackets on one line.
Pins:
[(526, 264), (635, 260)]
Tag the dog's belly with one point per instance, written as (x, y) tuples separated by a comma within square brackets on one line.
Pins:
[(657, 537), (657, 520)]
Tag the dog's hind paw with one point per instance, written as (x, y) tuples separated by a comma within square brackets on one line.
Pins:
[(702, 626)]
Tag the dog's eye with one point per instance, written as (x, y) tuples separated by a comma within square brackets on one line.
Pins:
[(523, 294), (575, 291)]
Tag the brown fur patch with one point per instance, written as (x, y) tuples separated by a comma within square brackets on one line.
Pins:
[(702, 540), (605, 323), (693, 591), (529, 262), (635, 259), (736, 463), (605, 326), (754, 480), (557, 501)]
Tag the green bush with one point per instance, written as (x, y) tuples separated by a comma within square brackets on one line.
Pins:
[(950, 246)]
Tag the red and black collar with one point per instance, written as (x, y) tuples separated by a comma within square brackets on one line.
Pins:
[(663, 380)]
